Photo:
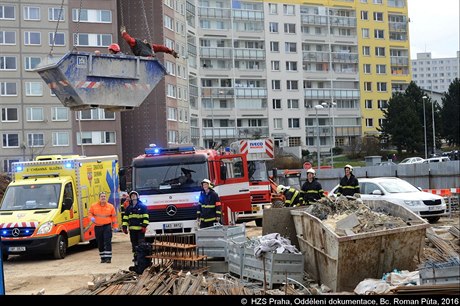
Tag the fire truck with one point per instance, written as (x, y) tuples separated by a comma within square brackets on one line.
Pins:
[(258, 152), (168, 181)]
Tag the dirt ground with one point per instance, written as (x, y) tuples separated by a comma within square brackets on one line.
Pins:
[(27, 275)]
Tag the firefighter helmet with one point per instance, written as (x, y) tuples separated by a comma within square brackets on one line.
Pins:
[(206, 181), (311, 171), (280, 188), (133, 192), (349, 167)]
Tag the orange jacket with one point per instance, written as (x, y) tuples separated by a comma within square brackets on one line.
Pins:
[(104, 214)]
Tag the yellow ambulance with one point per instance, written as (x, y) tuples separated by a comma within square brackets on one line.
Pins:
[(45, 207)]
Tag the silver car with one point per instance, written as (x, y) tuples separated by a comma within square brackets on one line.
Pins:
[(398, 191)]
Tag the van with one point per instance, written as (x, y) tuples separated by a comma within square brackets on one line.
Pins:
[(436, 159)]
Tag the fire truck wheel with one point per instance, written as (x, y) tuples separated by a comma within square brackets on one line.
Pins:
[(61, 247), (278, 204), (259, 222)]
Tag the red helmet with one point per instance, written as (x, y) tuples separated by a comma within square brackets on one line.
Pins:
[(114, 47)]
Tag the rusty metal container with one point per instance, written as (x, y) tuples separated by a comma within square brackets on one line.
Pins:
[(341, 262)]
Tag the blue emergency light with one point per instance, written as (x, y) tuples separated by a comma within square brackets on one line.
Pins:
[(165, 151), (68, 165), (19, 168)]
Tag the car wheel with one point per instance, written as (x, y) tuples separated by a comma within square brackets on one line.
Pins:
[(259, 222), (60, 250), (433, 219)]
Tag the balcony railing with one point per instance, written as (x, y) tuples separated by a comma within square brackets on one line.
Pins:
[(398, 26), (343, 57), (217, 92), (249, 54), (228, 132), (314, 19), (396, 3), (194, 132), (216, 52), (251, 132), (337, 21), (399, 60), (246, 92), (315, 56), (213, 12), (193, 90), (325, 93), (192, 49), (248, 15)]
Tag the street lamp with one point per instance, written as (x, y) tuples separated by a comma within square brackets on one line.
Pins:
[(424, 125), (333, 129), (318, 156), (434, 131)]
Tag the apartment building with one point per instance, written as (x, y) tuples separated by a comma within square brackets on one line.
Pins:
[(33, 121), (435, 74)]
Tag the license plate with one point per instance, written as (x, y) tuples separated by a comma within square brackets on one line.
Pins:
[(431, 208), (17, 249), (172, 225)]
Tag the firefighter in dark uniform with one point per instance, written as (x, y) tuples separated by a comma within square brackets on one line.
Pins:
[(209, 208), (136, 220), (312, 189), (349, 184), (292, 195)]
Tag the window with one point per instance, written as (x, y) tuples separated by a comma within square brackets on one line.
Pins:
[(291, 66), (31, 13), (7, 12), (99, 16), (171, 91), (294, 123), (288, 9), (55, 14), (366, 50), (8, 89), (274, 46), (7, 163), (7, 38), (276, 84), (172, 136), (294, 142), (273, 8), (368, 104), (365, 33), (379, 51), (276, 103), (381, 122), (277, 123), (381, 69), (35, 114), (34, 88), (108, 138), (369, 122), (367, 68), (378, 16), (58, 40), (289, 28), (378, 1), (7, 62), (35, 140), (273, 27), (290, 47), (92, 40), (293, 103), (172, 113), (367, 86), (292, 85), (31, 62), (168, 22), (275, 65), (96, 138), (96, 114), (170, 67), (381, 86), (10, 140), (59, 114), (364, 15), (60, 139), (32, 38), (9, 114), (379, 34)]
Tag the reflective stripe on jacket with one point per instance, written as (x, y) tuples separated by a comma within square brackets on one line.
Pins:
[(312, 191), (136, 217), (348, 186), (104, 214), (292, 197), (210, 207)]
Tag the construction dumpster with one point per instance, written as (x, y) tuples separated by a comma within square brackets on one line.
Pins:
[(83, 80), (213, 240), (341, 262)]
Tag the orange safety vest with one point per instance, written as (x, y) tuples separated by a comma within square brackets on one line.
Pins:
[(104, 214)]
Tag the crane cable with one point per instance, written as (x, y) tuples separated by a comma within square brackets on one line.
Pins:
[(121, 13), (57, 26), (146, 23), (76, 38)]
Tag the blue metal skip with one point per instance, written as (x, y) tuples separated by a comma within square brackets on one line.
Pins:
[(83, 80)]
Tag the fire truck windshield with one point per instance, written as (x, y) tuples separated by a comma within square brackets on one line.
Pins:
[(176, 178)]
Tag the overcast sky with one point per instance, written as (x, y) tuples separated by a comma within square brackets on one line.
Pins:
[(434, 27)]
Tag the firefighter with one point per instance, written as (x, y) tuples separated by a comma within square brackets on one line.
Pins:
[(349, 184), (136, 220), (292, 195), (312, 189), (209, 209), (103, 215)]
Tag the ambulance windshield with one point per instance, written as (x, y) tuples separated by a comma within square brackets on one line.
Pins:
[(28, 197)]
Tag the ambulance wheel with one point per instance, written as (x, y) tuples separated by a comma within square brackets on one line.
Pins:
[(278, 204), (60, 249), (259, 222)]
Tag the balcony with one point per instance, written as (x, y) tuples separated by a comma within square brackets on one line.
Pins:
[(247, 92), (195, 132), (337, 21), (193, 90), (252, 132), (192, 49), (397, 26), (314, 19), (397, 3), (325, 93), (315, 56), (248, 15), (217, 92), (399, 61), (344, 57), (216, 52), (219, 132), (216, 13), (251, 54)]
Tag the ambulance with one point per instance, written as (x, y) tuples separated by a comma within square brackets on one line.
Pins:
[(45, 208)]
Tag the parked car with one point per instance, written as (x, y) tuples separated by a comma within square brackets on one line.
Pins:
[(436, 159), (412, 160), (398, 191)]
